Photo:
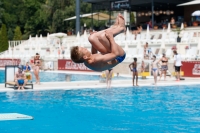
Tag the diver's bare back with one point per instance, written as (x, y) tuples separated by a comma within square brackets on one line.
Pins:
[(101, 66)]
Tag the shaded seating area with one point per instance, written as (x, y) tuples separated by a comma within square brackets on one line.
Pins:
[(10, 78)]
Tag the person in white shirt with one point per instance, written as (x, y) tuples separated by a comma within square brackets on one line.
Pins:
[(177, 65)]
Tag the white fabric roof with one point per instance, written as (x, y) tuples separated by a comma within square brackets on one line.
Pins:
[(195, 2), (97, 16)]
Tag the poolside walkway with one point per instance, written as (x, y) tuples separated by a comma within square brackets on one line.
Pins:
[(97, 84)]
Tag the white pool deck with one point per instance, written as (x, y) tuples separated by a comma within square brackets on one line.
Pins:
[(96, 84)]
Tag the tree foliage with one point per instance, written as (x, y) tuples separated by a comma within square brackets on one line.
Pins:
[(3, 38), (132, 18), (42, 16), (18, 34), (10, 34), (1, 11)]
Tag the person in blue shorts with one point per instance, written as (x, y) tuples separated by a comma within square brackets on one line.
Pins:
[(154, 67), (111, 54), (20, 79), (133, 68)]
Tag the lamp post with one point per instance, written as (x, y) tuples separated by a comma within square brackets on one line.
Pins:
[(77, 16)]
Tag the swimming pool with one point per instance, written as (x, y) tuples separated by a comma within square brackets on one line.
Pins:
[(60, 77), (126, 110)]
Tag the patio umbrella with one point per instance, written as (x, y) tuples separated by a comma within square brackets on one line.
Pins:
[(36, 43), (30, 37), (127, 33), (58, 35), (78, 36), (196, 13), (168, 28), (148, 34), (40, 42), (182, 26)]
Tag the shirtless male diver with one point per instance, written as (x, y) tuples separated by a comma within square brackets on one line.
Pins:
[(111, 54)]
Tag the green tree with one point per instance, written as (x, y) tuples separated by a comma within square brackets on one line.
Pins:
[(10, 34), (42, 16), (18, 34), (3, 38), (132, 17), (1, 11)]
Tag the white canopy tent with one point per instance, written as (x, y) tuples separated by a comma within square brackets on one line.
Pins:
[(194, 2), (97, 16)]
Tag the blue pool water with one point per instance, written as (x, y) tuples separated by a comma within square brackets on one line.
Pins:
[(60, 77), (122, 110)]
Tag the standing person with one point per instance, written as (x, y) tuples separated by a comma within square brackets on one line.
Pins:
[(177, 64), (109, 74), (164, 66), (149, 53), (154, 66), (133, 68), (27, 70), (36, 69), (20, 79), (142, 67), (146, 50), (138, 31), (172, 21)]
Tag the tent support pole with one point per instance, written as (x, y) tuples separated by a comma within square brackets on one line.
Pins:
[(92, 15), (130, 15), (110, 14)]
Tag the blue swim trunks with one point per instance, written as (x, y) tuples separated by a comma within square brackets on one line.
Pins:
[(20, 81), (134, 69), (121, 58)]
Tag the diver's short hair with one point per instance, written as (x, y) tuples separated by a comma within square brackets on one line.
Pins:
[(76, 56)]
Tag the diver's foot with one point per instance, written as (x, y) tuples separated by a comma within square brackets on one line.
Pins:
[(121, 23), (115, 25)]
